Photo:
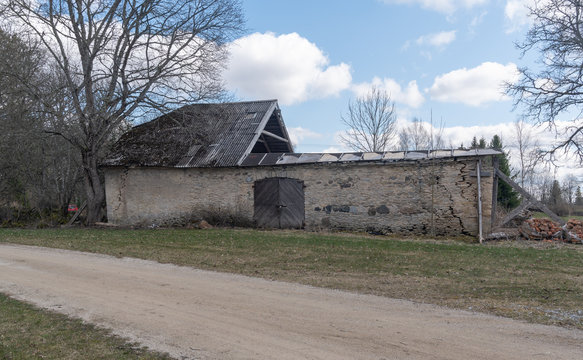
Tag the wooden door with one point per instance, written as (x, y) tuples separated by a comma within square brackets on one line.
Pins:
[(279, 203)]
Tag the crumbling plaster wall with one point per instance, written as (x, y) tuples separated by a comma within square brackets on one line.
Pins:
[(437, 197)]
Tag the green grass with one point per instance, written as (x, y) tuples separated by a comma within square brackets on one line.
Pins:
[(542, 215), (518, 280), (29, 333)]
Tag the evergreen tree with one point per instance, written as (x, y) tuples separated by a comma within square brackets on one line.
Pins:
[(474, 144), (482, 143), (507, 197), (556, 197), (556, 201), (578, 197)]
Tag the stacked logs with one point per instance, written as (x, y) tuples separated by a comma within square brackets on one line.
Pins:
[(548, 230)]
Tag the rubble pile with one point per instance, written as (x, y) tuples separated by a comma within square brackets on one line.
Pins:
[(574, 231), (548, 230), (541, 229)]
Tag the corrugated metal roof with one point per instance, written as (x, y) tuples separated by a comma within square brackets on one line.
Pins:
[(389, 156), (202, 135)]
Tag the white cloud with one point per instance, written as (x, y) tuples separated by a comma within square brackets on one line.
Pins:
[(516, 12), (476, 86), (439, 39), (454, 136), (287, 67), (410, 96), (545, 138), (443, 6), (298, 134)]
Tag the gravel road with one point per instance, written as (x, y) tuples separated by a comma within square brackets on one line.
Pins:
[(195, 314)]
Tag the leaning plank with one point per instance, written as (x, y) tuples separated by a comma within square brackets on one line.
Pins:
[(77, 214), (531, 198), (514, 213)]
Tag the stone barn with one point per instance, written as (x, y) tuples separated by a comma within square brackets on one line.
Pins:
[(236, 160)]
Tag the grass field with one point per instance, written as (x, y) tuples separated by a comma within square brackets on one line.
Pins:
[(537, 282), (540, 215), (30, 333)]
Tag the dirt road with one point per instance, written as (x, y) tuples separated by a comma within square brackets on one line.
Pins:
[(198, 314)]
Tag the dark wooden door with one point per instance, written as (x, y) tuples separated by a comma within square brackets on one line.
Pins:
[(279, 203)]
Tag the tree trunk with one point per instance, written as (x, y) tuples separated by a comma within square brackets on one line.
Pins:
[(94, 188)]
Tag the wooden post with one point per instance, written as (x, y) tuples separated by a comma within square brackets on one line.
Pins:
[(478, 172), (494, 191)]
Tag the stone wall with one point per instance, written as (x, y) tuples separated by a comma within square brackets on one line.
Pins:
[(420, 197)]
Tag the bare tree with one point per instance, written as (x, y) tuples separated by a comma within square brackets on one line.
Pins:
[(416, 136), (556, 33), (371, 122), (37, 170), (121, 59), (528, 152), (569, 186)]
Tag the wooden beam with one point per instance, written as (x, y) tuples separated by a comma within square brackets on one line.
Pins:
[(495, 165), (265, 132), (478, 169), (514, 213), (265, 143), (482, 174), (532, 199)]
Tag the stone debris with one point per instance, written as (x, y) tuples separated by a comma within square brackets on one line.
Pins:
[(548, 230), (574, 231), (201, 224)]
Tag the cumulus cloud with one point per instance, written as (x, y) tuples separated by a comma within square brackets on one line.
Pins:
[(410, 95), (439, 39), (545, 138), (454, 136), (443, 6), (299, 134), (476, 86), (287, 67), (516, 12)]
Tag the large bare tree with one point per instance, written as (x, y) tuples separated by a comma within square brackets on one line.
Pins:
[(121, 59), (556, 86), (371, 122)]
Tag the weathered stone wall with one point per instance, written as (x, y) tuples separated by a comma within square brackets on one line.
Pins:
[(408, 197)]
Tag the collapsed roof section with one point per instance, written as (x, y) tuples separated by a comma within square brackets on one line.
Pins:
[(204, 135)]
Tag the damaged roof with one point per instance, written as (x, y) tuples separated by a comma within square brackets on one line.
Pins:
[(388, 156), (248, 133), (204, 135)]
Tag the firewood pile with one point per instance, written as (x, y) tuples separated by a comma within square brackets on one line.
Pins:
[(548, 230)]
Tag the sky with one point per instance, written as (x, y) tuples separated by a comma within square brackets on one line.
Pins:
[(443, 61)]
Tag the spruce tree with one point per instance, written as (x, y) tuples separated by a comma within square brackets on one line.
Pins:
[(507, 197), (474, 144), (578, 197)]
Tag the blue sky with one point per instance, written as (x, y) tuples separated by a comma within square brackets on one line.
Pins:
[(391, 40), (448, 58)]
